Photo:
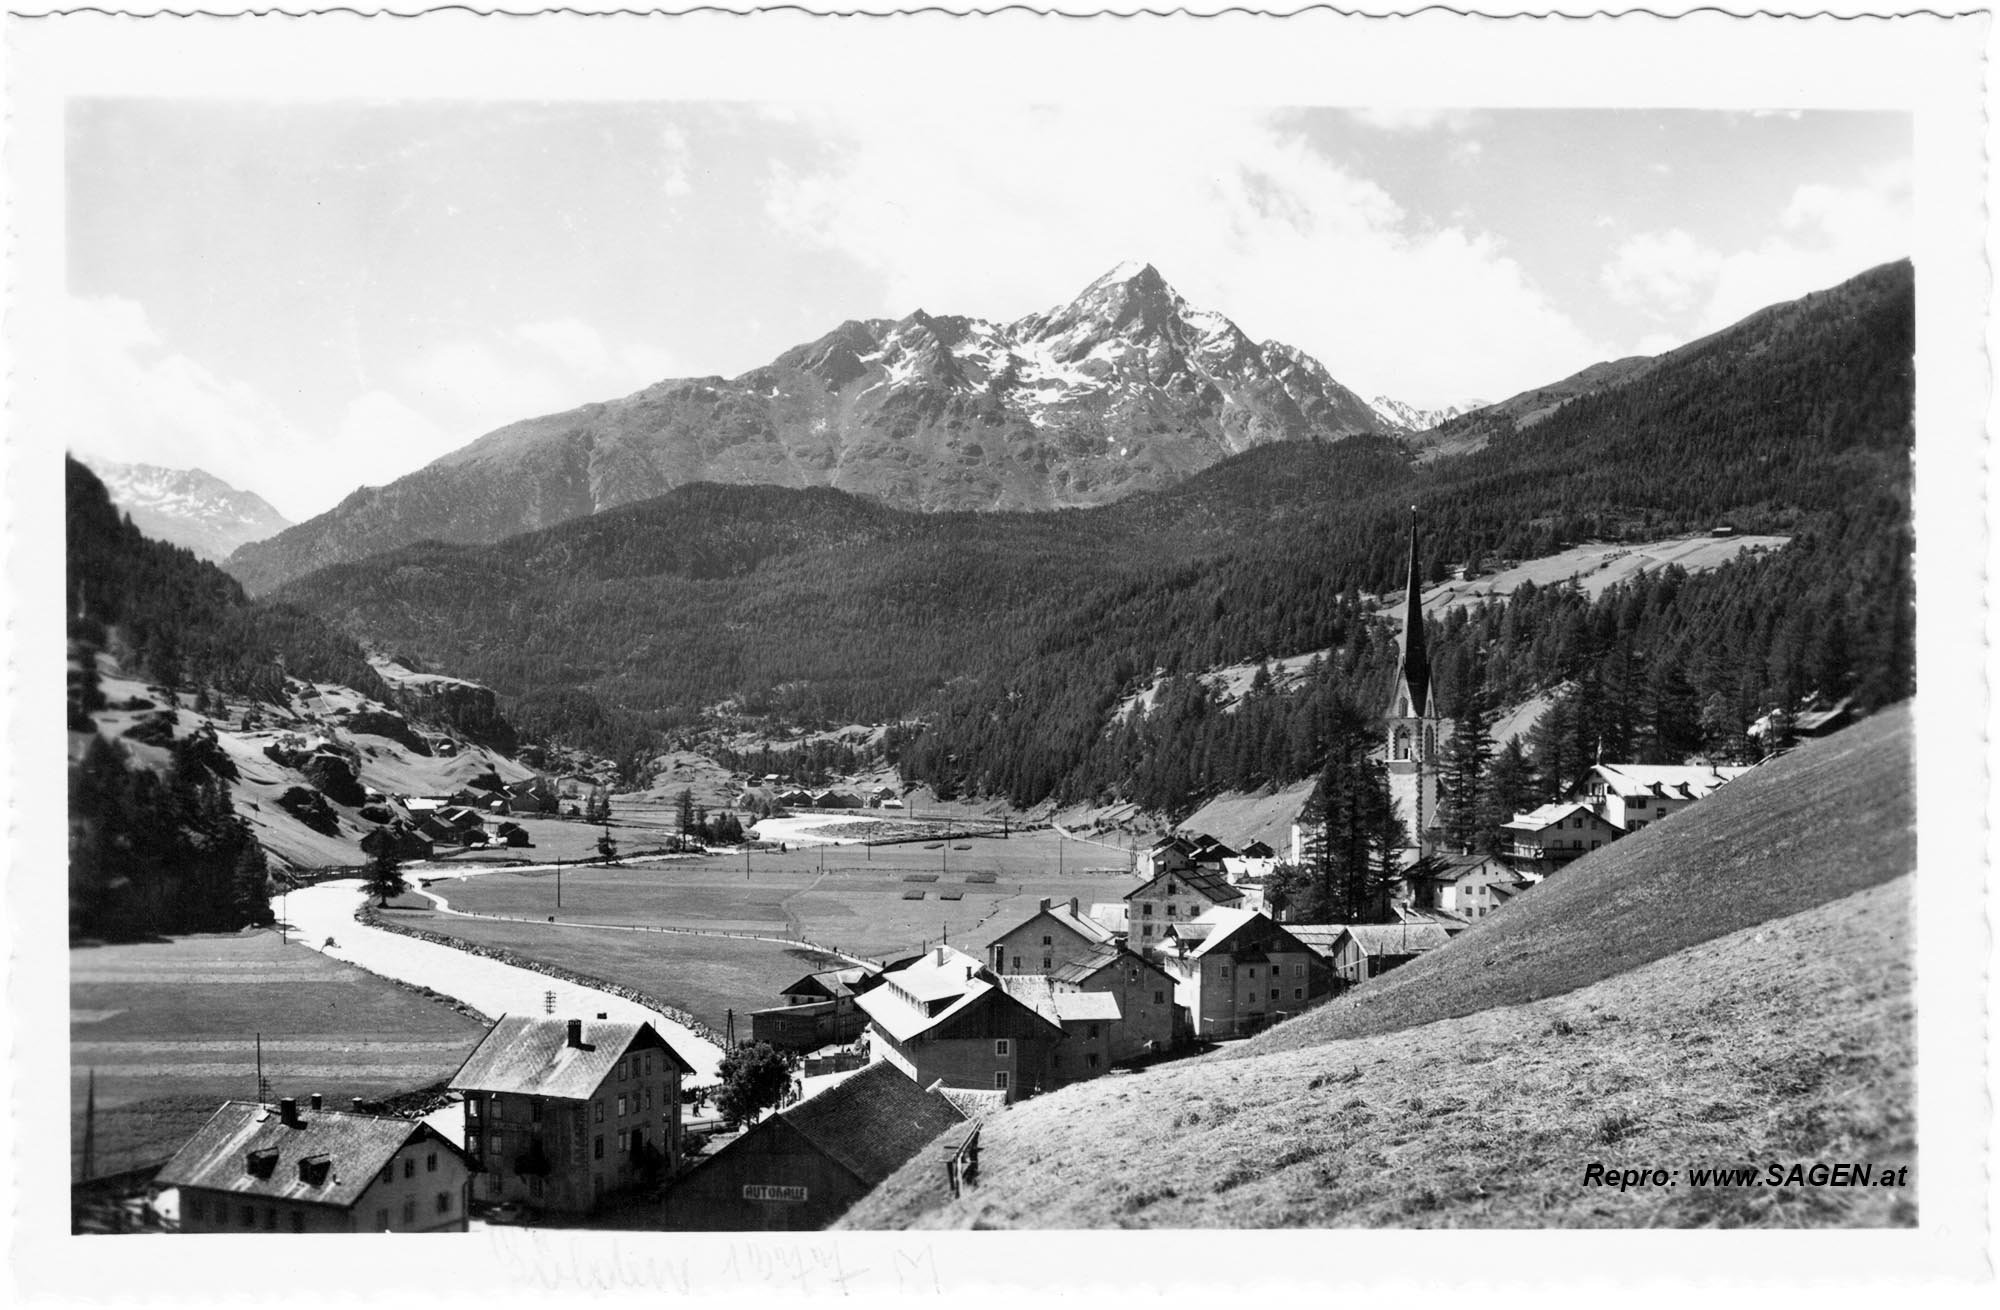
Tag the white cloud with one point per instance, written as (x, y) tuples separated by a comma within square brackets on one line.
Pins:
[(675, 156), (1241, 216), (1660, 272), (1825, 235), (1829, 233), (119, 393), (1413, 118)]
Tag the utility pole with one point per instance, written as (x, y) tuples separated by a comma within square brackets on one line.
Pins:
[(558, 884), (90, 1127)]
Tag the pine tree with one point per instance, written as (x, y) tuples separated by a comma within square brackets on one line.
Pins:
[(1509, 790), (684, 809), (1462, 771), (385, 875), (252, 886)]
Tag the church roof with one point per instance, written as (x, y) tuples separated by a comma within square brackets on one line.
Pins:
[(1416, 667)]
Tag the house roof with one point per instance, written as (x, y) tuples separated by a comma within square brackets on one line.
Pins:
[(1642, 779), (355, 1147), (1316, 937), (1548, 816), (1220, 929), (1113, 915), (1086, 966), (975, 1103), (532, 1056), (1211, 887), (873, 1122), (1058, 1005), (1396, 938), (1082, 925), (944, 983)]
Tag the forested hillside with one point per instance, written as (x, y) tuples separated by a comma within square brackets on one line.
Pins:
[(1013, 637), (155, 845)]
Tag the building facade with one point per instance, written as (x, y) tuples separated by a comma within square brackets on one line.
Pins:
[(946, 1018), (1174, 897), (562, 1114), (1237, 971), (289, 1169), (1050, 938)]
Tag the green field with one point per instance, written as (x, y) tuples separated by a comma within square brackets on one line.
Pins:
[(171, 1028), (706, 976), (848, 898)]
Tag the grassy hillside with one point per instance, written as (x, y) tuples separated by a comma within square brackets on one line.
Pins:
[(1731, 987), (1828, 820), (1789, 1042)]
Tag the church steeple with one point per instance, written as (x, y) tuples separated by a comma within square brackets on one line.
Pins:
[(1416, 690)]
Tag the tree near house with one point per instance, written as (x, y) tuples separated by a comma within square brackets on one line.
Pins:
[(385, 875), (607, 846), (1354, 835), (684, 810), (1462, 772), (756, 1077)]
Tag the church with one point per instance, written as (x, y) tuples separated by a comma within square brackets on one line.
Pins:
[(1415, 732)]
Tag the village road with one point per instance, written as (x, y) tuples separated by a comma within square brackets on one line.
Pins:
[(326, 911)]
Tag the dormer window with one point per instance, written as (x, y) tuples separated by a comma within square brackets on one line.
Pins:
[(314, 1170), (262, 1164)]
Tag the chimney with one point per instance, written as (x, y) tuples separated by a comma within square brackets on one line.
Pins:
[(1072, 905), (1045, 902), (576, 1032), (316, 1104), (357, 1105), (602, 1015), (288, 1110)]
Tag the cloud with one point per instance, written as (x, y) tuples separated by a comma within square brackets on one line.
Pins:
[(1239, 214), (1660, 272), (122, 394), (675, 156), (1413, 118), (1824, 235)]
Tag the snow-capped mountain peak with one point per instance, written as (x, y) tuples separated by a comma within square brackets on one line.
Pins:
[(188, 507), (1414, 418)]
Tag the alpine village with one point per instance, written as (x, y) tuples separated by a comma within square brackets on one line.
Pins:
[(1091, 771)]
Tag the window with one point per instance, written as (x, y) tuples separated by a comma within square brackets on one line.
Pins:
[(1253, 971), (1170, 909), (597, 1147), (444, 1202), (597, 1110), (409, 1166), (1274, 993), (649, 1098), (625, 1143), (1017, 962), (1225, 971), (1159, 996), (1148, 932), (1146, 910), (621, 1107), (1002, 1048), (1048, 963), (1298, 971), (1048, 941), (647, 1068), (1298, 993), (1093, 1032), (472, 1107), (499, 1143), (389, 1171), (1090, 1061), (535, 1110), (410, 1211), (381, 1221), (298, 1222), (1000, 1080), (431, 1163)]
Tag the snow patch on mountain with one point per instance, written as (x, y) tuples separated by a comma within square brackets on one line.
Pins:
[(1415, 418), (188, 507)]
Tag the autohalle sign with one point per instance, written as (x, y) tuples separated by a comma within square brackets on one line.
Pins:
[(768, 1192)]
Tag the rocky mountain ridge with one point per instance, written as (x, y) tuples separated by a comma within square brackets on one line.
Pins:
[(1125, 388), (189, 507)]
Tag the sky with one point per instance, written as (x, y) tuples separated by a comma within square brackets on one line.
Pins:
[(253, 285)]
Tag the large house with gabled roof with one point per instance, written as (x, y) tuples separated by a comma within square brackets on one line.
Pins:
[(1049, 938), (1175, 896), (1236, 971), (563, 1113), (1150, 1020), (288, 1168), (1634, 795), (803, 1167), (946, 1018)]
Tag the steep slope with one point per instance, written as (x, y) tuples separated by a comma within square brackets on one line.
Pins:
[(1124, 388), (189, 507), (1729, 987)]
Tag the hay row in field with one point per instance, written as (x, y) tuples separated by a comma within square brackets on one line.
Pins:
[(951, 895), (972, 878), (920, 877), (914, 894)]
